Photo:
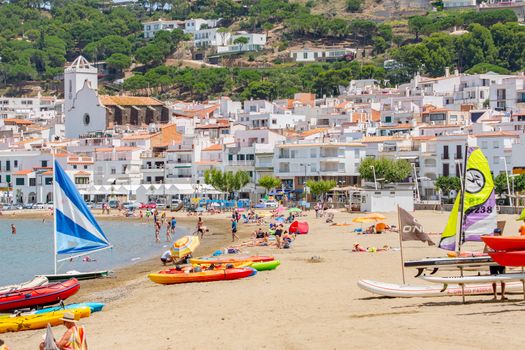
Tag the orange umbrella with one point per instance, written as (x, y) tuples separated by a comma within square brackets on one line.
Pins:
[(362, 219), (376, 216)]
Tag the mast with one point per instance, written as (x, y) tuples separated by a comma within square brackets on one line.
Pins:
[(54, 213), (401, 244), (462, 202)]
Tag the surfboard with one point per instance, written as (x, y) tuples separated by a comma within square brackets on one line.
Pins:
[(410, 291), (474, 260), (475, 279)]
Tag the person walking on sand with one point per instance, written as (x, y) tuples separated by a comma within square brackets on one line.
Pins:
[(13, 230), (200, 227), (234, 230)]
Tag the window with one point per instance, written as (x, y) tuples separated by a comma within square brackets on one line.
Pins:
[(356, 153), (113, 171), (32, 182), (20, 181), (274, 121), (85, 166), (313, 168), (48, 181), (446, 169), (388, 119), (305, 55), (484, 144), (81, 180), (148, 179), (341, 167), (230, 156), (74, 166), (8, 165), (44, 163), (313, 153), (482, 94), (86, 119), (15, 162)]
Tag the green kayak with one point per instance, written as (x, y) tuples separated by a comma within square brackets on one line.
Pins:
[(265, 266)]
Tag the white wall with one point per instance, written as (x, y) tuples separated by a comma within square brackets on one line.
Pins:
[(86, 102), (386, 200)]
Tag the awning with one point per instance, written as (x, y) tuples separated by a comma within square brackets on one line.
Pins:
[(111, 180)]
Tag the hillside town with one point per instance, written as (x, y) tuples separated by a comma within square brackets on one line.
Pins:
[(142, 149)]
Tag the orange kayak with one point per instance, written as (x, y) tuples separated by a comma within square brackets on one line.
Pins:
[(203, 276)]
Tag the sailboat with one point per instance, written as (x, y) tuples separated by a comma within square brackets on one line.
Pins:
[(76, 231)]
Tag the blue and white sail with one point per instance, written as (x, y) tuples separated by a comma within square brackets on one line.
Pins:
[(76, 230)]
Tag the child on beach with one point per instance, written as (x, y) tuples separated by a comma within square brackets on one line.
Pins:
[(173, 224), (200, 227), (234, 230), (157, 231)]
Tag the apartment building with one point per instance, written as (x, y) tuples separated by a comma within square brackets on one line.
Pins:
[(152, 27)]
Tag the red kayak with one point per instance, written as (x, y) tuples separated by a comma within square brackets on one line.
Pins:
[(228, 260), (39, 296), (505, 243), (516, 258)]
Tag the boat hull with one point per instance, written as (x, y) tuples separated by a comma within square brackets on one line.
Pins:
[(81, 276), (516, 258), (39, 321), (39, 296), (411, 291), (208, 261), (505, 243)]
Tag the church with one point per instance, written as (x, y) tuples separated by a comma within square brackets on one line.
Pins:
[(86, 111)]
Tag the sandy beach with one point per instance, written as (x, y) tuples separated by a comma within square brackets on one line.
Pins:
[(304, 304)]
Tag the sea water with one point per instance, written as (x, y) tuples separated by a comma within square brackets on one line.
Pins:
[(30, 251)]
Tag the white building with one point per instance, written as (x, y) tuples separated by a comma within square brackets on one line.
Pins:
[(152, 27), (271, 120), (508, 95), (40, 107), (191, 26), (256, 42), (321, 54), (458, 3)]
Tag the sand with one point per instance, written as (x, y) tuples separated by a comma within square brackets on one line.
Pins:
[(301, 305)]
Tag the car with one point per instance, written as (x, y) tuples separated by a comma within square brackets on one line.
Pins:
[(13, 207), (39, 206), (271, 204), (151, 205), (48, 205), (28, 206), (113, 204), (130, 205)]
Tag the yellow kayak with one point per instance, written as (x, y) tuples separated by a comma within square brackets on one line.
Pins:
[(39, 321)]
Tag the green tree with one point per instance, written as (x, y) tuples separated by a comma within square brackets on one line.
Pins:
[(500, 183), (386, 170), (268, 182), (354, 5), (241, 41), (416, 24), (447, 184), (482, 68), (264, 90), (320, 188), (228, 182), (119, 61)]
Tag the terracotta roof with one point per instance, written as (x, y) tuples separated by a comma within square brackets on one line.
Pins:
[(17, 121), (216, 147), (373, 139), (437, 126), (496, 134), (82, 173), (212, 126), (190, 113), (23, 172), (49, 172), (312, 132), (325, 144), (129, 101), (399, 126), (139, 136), (23, 142)]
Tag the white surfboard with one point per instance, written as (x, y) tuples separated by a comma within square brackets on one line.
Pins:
[(475, 279), (409, 291)]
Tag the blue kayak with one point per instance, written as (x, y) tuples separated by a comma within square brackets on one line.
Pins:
[(95, 307)]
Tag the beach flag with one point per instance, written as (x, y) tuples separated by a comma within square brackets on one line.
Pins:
[(410, 229)]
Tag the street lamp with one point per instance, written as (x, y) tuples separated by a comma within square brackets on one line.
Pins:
[(375, 179), (304, 179), (508, 182)]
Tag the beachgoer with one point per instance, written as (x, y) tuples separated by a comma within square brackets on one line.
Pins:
[(173, 224), (522, 229), (74, 337), (278, 233), (3, 345), (234, 230), (166, 257), (13, 229), (162, 217), (141, 215), (498, 270), (157, 231), (168, 231), (200, 227)]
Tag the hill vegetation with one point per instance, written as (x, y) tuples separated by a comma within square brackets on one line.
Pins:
[(38, 37)]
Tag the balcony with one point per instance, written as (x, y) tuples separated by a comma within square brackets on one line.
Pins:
[(445, 156), (240, 162), (179, 161), (178, 176), (146, 167)]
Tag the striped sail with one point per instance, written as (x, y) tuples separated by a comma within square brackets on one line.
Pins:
[(77, 231), (479, 204)]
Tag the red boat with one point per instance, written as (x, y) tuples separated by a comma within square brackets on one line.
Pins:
[(516, 258), (39, 296), (203, 276), (505, 243)]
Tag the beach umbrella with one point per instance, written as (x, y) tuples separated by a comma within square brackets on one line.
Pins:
[(376, 216), (185, 246), (294, 210), (215, 204), (49, 339)]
